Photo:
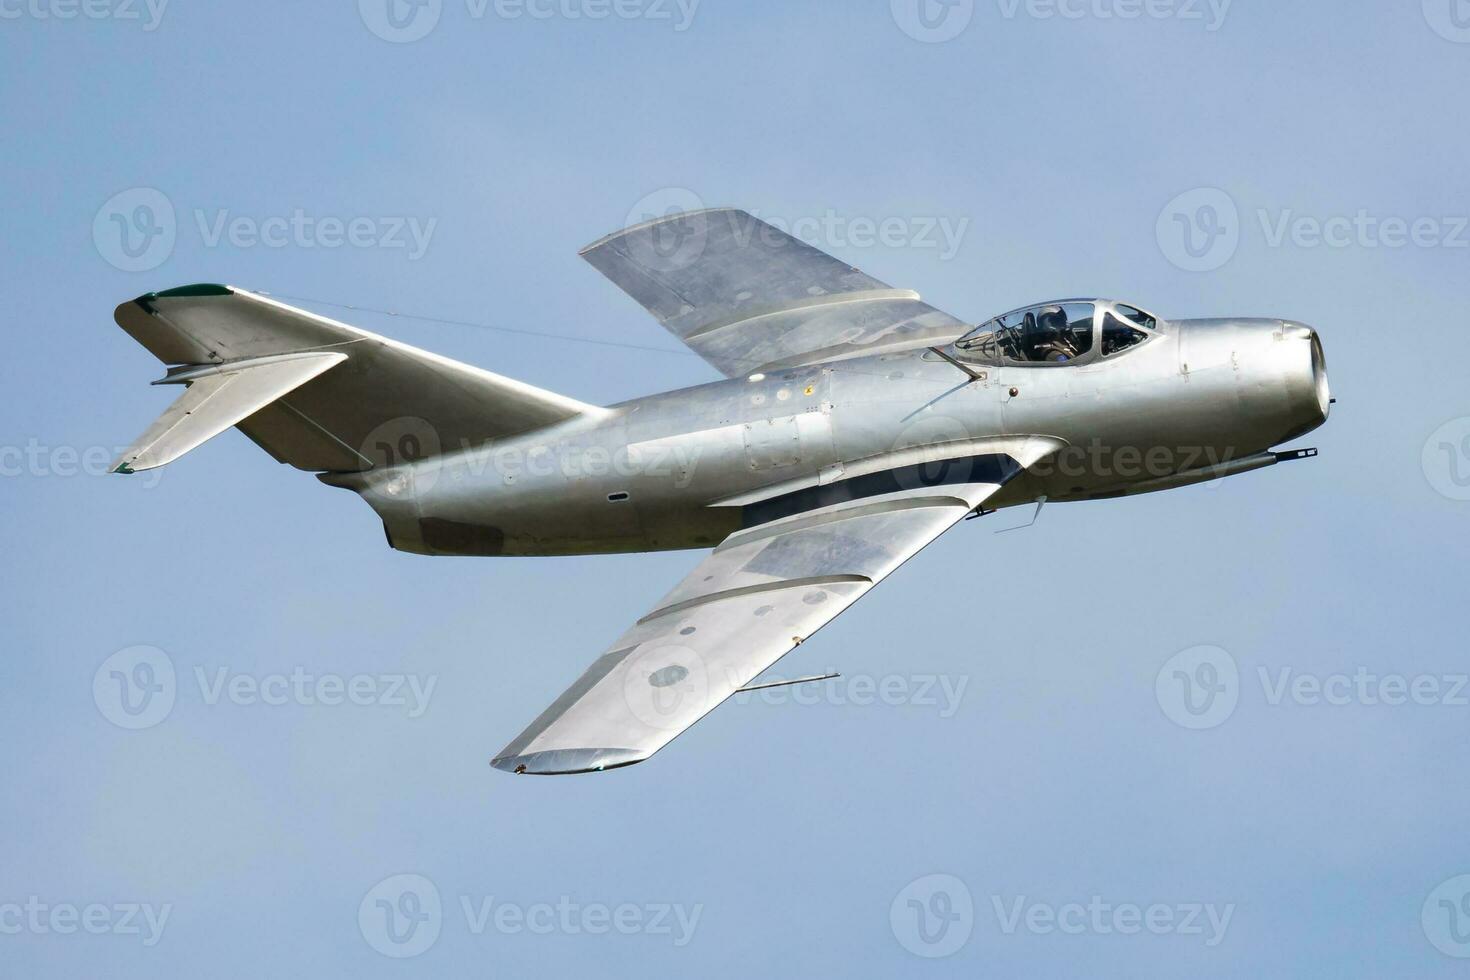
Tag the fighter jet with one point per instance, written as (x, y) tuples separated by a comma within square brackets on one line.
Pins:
[(854, 426)]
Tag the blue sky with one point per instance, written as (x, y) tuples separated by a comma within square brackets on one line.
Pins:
[(1314, 153)]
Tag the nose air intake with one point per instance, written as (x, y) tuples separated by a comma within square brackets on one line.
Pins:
[(1310, 394), (1319, 376)]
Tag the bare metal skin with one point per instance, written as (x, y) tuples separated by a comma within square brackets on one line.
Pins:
[(1198, 394), (855, 425)]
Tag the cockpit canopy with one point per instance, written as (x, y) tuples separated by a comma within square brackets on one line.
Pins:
[(1073, 331)]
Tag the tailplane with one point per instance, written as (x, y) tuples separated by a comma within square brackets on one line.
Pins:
[(314, 393)]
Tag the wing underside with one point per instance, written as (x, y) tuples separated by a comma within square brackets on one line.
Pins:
[(747, 297), (765, 590)]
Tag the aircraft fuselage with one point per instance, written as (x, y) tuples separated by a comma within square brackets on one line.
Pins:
[(1200, 400)]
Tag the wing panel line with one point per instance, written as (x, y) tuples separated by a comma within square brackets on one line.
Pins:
[(746, 590), (831, 299)]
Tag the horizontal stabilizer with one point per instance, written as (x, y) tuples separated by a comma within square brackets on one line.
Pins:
[(217, 397), (389, 402)]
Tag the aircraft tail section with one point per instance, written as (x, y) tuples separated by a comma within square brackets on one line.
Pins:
[(314, 393)]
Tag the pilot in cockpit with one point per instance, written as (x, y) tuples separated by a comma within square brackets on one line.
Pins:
[(1052, 336)]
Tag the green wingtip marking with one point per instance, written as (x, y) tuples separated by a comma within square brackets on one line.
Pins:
[(197, 289), (124, 468)]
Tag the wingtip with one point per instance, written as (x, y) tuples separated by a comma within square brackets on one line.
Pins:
[(566, 762), (196, 289)]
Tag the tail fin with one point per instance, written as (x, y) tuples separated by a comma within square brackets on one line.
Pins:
[(315, 393)]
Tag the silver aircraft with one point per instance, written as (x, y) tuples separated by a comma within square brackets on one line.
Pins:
[(855, 425)]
